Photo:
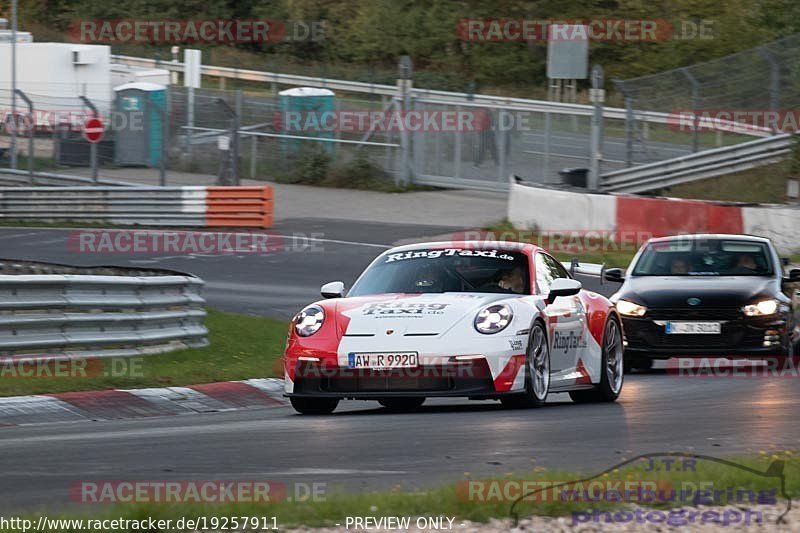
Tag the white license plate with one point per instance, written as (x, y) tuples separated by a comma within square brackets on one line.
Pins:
[(382, 360), (693, 328)]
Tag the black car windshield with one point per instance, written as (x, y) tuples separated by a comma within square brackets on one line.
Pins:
[(704, 257), (446, 270)]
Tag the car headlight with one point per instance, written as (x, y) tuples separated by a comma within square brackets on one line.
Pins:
[(493, 319), (762, 308), (309, 320), (630, 309)]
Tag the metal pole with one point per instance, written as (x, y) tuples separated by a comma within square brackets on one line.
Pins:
[(32, 126), (13, 160), (237, 119), (774, 79), (253, 154), (695, 108), (546, 149), (162, 161), (93, 146), (597, 97), (457, 151), (93, 161), (189, 118)]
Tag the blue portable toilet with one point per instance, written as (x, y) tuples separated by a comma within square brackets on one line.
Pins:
[(310, 105), (140, 126)]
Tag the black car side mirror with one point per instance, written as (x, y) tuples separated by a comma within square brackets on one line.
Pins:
[(793, 277), (615, 275)]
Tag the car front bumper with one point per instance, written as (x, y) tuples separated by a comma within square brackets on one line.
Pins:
[(472, 379), (740, 337)]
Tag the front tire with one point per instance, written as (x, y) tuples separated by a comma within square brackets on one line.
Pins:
[(611, 368), (314, 406), (402, 404), (537, 372)]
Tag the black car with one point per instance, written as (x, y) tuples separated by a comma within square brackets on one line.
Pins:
[(706, 295)]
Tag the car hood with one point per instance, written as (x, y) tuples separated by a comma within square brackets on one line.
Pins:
[(410, 314), (713, 292)]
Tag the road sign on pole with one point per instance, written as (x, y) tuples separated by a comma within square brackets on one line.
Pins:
[(93, 130)]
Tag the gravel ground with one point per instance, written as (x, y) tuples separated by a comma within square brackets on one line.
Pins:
[(765, 522)]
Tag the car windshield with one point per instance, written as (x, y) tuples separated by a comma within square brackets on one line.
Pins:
[(704, 257), (446, 270)]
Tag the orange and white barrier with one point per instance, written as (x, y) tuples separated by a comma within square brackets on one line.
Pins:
[(551, 210), (191, 206)]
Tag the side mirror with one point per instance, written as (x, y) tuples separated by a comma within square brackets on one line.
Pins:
[(615, 275), (563, 287), (334, 289), (793, 277)]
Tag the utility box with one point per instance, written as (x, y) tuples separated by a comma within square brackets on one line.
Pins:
[(307, 111), (141, 114)]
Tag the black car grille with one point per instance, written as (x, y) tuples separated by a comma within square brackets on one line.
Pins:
[(735, 334), (690, 314)]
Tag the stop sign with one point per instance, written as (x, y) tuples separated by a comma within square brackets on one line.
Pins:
[(93, 130)]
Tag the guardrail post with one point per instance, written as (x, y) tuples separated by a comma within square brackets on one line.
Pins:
[(31, 129), (695, 108)]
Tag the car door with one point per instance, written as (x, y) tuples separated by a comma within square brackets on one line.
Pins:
[(566, 323)]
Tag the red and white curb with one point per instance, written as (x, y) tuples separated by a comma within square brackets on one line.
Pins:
[(138, 403)]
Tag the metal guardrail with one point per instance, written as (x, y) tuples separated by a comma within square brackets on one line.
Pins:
[(135, 312), (12, 176), (188, 206), (697, 166)]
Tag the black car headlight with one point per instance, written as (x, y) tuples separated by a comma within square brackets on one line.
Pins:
[(309, 320), (627, 308), (762, 308), (493, 319)]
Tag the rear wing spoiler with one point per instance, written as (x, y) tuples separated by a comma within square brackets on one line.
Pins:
[(585, 269)]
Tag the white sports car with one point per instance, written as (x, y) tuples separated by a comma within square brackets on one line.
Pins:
[(494, 320)]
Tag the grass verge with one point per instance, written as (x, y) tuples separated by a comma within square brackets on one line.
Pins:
[(241, 347), (752, 481)]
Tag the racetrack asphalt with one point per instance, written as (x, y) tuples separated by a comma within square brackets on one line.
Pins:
[(361, 446)]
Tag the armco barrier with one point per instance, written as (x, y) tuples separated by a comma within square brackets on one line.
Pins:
[(548, 209), (59, 311), (191, 206)]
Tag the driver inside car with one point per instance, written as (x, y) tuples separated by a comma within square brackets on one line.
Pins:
[(513, 280)]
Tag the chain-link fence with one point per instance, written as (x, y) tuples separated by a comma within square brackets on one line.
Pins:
[(766, 78), (202, 136)]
